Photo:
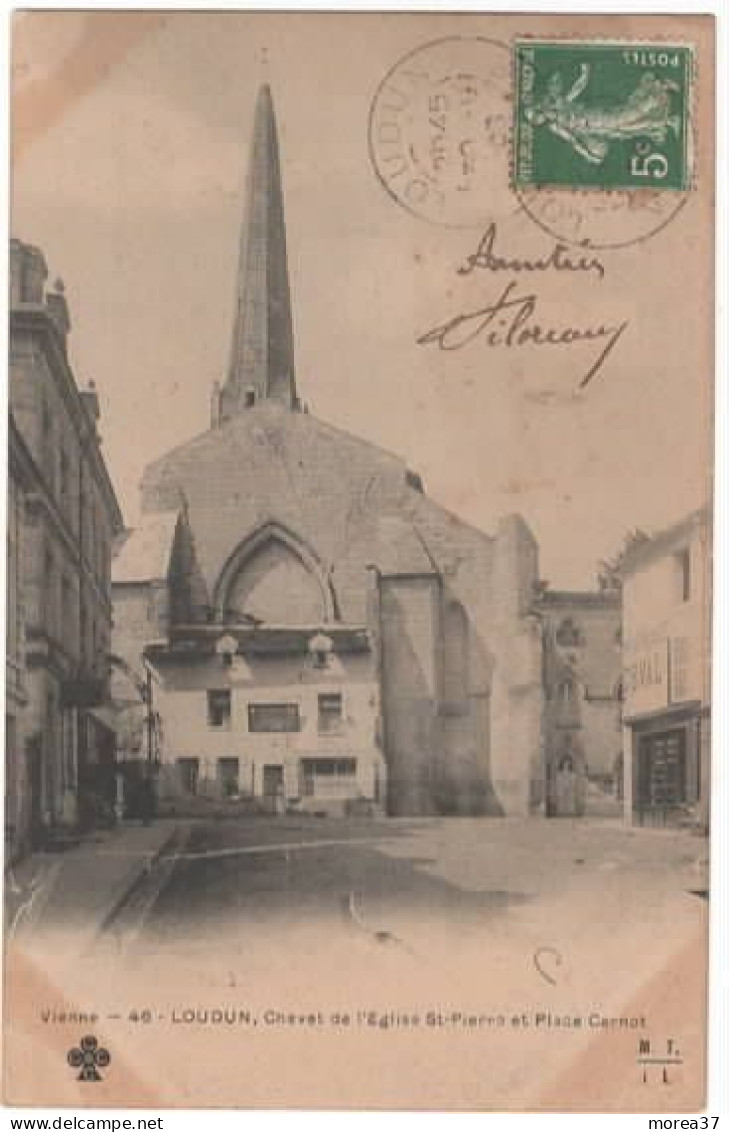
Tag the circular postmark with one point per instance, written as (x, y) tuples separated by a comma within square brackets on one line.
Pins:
[(440, 131), (602, 219)]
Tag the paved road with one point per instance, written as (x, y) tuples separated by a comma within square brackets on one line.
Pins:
[(414, 881), (292, 875), (289, 918)]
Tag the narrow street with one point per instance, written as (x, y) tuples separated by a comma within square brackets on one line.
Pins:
[(288, 875), (246, 932), (266, 886)]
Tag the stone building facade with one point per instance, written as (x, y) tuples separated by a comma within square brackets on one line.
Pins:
[(64, 528), (21, 480), (321, 633), (667, 674), (582, 699)]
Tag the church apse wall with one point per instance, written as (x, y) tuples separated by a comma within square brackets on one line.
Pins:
[(517, 769), (461, 674), (409, 610), (287, 527)]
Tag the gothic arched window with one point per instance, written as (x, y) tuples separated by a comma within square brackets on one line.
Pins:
[(275, 586), (272, 577), (456, 674)]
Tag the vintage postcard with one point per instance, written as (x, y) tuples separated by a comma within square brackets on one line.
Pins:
[(358, 706)]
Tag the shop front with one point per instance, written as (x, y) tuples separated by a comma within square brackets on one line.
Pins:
[(667, 734), (667, 676), (666, 776)]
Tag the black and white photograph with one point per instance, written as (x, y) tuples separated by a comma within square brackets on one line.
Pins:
[(359, 560)]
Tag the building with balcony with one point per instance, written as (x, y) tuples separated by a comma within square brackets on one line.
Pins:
[(65, 515), (667, 674), (319, 632)]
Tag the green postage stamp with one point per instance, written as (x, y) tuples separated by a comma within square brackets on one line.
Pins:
[(602, 115)]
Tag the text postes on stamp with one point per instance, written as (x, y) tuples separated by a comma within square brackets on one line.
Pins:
[(602, 115), (440, 131)]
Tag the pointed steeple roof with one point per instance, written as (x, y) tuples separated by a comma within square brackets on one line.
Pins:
[(262, 354)]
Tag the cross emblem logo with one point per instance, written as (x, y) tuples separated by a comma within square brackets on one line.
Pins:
[(88, 1057)]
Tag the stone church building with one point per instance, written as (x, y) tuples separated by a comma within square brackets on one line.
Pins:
[(582, 720), (317, 633)]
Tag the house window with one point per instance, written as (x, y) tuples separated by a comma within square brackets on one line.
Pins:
[(48, 446), (330, 712), (98, 544), (228, 776), (273, 717), (101, 545), (683, 572), (189, 772), (49, 593), (67, 613), (569, 634), (219, 707), (328, 776), (91, 534), (67, 746), (456, 657), (64, 480)]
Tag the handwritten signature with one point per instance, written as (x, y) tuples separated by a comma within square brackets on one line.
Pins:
[(510, 322), (560, 258)]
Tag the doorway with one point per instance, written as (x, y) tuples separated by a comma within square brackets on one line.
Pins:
[(189, 773), (228, 776), (34, 751), (273, 788), (565, 788), (566, 785), (662, 771)]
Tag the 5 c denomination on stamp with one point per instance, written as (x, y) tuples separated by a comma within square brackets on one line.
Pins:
[(440, 131), (602, 115)]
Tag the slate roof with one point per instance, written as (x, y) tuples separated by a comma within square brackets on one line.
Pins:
[(144, 555)]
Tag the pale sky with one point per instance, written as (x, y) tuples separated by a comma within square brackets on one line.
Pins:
[(131, 150)]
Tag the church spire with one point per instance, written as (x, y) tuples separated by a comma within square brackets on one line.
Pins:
[(262, 354)]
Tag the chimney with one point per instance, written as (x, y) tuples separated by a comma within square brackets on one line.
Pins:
[(90, 401), (58, 309), (28, 273)]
